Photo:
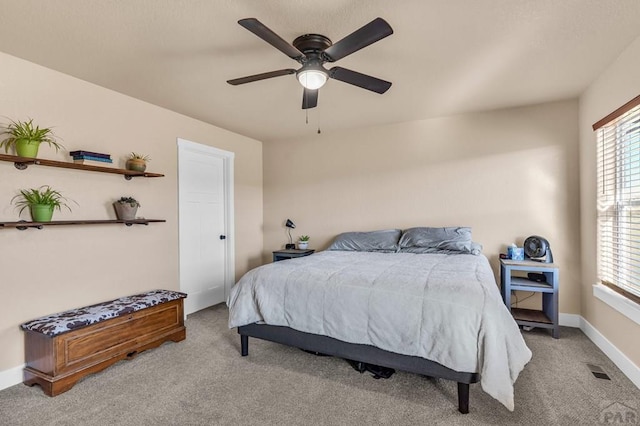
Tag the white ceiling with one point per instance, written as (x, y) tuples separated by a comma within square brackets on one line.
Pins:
[(445, 56)]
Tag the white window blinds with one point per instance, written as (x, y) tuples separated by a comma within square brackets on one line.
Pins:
[(618, 174)]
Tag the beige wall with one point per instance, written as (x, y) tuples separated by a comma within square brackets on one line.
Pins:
[(616, 86), (507, 173), (45, 271)]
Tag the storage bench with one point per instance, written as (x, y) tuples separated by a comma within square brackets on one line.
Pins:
[(62, 348)]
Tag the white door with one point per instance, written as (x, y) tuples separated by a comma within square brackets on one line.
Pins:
[(205, 214)]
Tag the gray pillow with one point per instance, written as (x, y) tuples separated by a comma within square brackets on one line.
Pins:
[(476, 249), (381, 241), (451, 238)]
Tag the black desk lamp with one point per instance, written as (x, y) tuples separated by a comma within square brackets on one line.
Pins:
[(290, 225)]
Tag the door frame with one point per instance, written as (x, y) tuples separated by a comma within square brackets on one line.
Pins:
[(229, 225)]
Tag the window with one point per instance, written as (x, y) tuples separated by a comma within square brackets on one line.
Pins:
[(618, 162)]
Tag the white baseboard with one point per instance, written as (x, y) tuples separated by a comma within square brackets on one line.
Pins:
[(11, 377), (569, 320), (627, 366)]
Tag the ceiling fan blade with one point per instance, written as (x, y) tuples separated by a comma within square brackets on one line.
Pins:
[(309, 98), (361, 80), (259, 29), (363, 37), (263, 76)]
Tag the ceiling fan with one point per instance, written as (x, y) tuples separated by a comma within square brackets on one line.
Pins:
[(312, 51)]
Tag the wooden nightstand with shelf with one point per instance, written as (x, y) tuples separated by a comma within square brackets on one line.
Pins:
[(547, 317), (290, 254)]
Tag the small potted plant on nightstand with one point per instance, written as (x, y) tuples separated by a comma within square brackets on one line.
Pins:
[(41, 202), (303, 242), (137, 162), (25, 138), (126, 208)]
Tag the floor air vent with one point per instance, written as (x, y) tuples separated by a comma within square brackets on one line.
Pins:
[(598, 372)]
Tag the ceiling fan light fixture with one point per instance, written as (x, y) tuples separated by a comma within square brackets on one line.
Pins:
[(312, 78), (312, 51)]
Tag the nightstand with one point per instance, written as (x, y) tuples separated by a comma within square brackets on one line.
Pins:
[(547, 317), (290, 254)]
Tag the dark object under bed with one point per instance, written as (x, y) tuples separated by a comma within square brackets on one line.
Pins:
[(357, 352)]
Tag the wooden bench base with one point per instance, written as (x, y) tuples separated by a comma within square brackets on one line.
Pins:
[(56, 363)]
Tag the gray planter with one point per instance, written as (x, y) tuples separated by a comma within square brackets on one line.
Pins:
[(125, 211)]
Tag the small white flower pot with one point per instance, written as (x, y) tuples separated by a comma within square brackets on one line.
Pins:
[(302, 245)]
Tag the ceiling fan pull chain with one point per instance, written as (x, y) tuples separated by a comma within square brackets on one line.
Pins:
[(319, 121), (306, 113)]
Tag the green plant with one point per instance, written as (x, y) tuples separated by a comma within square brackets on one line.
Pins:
[(304, 238), (26, 131), (44, 195), (136, 156), (129, 200)]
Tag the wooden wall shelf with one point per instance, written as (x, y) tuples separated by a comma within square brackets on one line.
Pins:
[(22, 163), (22, 225)]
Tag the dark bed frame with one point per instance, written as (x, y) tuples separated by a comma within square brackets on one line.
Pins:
[(362, 353)]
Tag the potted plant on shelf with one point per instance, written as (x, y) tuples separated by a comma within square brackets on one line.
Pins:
[(303, 242), (41, 202), (25, 138), (137, 162), (126, 208)]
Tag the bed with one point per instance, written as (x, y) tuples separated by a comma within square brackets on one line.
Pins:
[(423, 301)]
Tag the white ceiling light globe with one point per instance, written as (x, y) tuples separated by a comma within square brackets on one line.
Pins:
[(312, 79)]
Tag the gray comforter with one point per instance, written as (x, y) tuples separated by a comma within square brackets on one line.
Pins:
[(442, 307)]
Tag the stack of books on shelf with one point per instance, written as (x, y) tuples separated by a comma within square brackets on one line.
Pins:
[(92, 158)]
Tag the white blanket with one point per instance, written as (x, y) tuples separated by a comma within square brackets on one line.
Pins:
[(442, 307)]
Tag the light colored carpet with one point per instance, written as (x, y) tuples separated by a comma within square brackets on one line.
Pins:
[(203, 380)]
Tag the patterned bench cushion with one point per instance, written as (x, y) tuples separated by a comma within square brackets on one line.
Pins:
[(62, 322)]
